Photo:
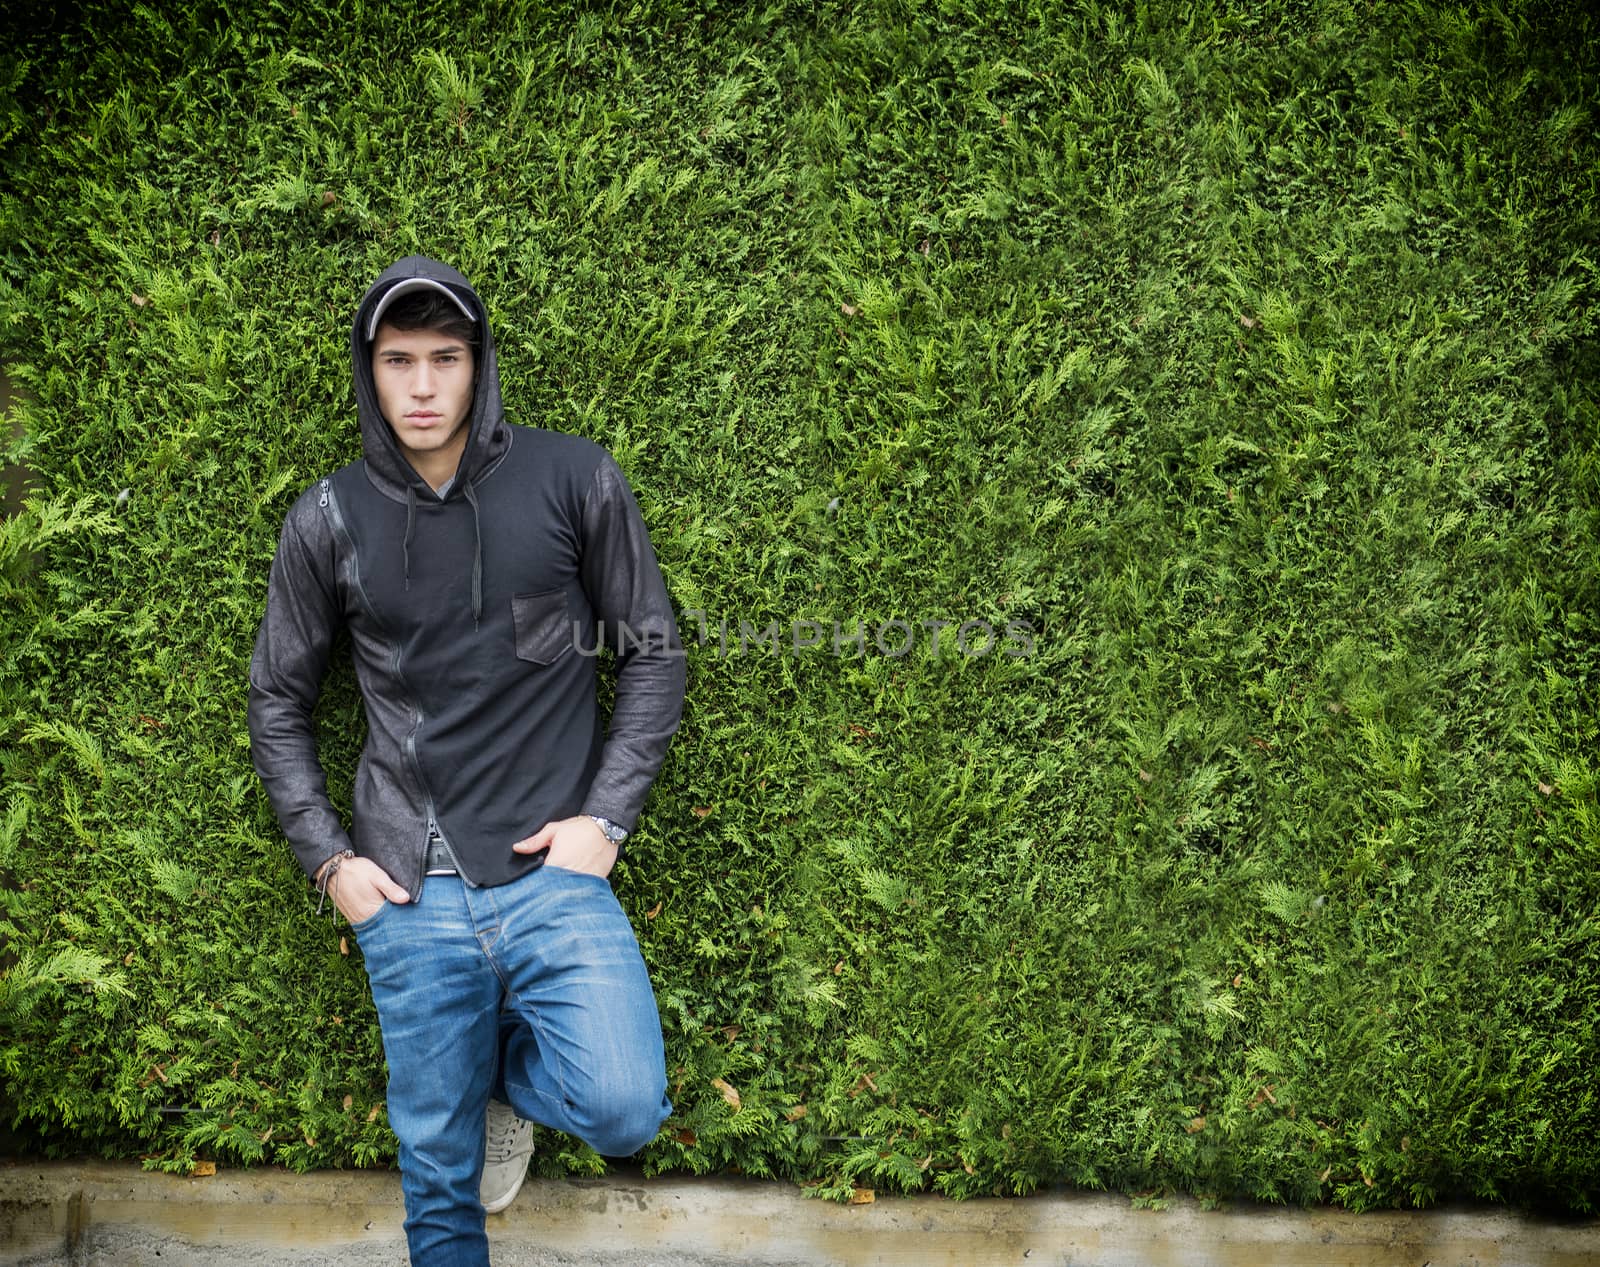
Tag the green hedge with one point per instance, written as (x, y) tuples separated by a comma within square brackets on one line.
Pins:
[(1246, 353)]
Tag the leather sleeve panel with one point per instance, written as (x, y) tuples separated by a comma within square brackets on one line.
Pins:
[(303, 616), (625, 588)]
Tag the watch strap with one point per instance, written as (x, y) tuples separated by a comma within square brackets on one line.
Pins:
[(616, 835)]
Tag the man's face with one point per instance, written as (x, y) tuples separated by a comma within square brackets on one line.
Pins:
[(424, 381)]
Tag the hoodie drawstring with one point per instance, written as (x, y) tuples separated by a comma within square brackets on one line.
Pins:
[(477, 546), (411, 527), (477, 553)]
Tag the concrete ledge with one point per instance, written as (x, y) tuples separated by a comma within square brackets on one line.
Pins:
[(83, 1215)]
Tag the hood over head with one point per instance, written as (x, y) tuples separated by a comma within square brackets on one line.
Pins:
[(488, 437), (487, 434)]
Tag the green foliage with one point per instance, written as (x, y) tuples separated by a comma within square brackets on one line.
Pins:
[(1246, 353)]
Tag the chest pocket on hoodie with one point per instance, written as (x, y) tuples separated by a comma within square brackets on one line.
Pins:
[(543, 628)]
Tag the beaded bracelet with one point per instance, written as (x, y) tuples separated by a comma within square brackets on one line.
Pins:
[(328, 872)]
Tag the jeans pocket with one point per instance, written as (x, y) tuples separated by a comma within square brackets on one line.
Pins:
[(554, 869), (542, 629), (365, 925)]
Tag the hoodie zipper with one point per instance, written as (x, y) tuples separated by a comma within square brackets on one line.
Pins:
[(331, 504), (427, 797)]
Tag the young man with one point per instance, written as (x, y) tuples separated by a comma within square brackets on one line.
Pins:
[(476, 566)]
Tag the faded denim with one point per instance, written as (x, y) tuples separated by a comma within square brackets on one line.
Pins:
[(533, 990)]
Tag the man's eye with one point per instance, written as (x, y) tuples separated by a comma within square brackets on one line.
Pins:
[(447, 360)]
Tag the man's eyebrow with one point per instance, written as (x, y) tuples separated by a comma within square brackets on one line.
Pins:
[(448, 349)]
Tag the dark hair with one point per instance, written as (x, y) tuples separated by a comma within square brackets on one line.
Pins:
[(429, 310)]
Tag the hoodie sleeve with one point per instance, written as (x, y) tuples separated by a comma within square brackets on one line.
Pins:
[(291, 655), (625, 589)]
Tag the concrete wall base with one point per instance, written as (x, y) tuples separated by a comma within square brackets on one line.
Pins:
[(88, 1214)]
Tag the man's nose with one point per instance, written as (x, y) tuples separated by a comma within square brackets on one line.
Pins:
[(422, 381)]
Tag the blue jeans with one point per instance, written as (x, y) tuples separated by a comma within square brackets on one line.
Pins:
[(532, 991)]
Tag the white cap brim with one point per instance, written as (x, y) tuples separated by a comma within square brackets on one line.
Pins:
[(407, 287)]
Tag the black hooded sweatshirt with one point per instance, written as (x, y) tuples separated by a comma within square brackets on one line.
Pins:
[(474, 620)]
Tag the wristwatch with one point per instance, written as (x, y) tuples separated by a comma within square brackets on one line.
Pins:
[(616, 835)]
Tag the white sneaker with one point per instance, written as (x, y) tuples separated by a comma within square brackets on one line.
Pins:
[(508, 1143)]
